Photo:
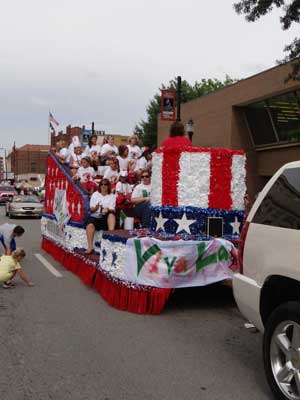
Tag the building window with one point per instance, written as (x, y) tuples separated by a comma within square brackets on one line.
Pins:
[(33, 166), (285, 113), (275, 121), (260, 124)]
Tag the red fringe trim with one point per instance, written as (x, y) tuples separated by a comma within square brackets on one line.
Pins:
[(140, 300)]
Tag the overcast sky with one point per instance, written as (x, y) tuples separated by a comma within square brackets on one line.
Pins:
[(103, 61)]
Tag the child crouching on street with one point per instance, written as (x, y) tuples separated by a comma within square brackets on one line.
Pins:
[(9, 266)]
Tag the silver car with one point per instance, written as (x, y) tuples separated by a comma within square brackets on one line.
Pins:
[(24, 206)]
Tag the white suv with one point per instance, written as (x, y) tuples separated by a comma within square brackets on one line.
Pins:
[(267, 289)]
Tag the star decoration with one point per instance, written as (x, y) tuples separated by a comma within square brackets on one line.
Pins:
[(235, 226), (160, 221), (184, 224)]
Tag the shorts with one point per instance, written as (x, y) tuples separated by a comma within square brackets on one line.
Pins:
[(100, 224), (12, 244)]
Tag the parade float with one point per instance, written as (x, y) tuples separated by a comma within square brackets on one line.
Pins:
[(197, 209)]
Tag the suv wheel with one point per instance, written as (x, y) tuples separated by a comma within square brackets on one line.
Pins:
[(281, 351)]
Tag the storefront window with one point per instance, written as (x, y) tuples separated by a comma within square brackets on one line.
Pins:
[(260, 124), (285, 113), (275, 120)]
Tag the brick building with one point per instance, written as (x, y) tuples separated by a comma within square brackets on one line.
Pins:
[(260, 114), (28, 162), (77, 131)]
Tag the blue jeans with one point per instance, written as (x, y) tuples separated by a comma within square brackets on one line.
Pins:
[(142, 211)]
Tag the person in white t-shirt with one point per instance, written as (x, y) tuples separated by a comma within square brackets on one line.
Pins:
[(112, 172), (92, 146), (63, 153), (109, 149), (141, 199), (123, 157), (85, 172), (123, 187), (134, 150), (143, 163), (102, 217), (75, 159), (8, 233)]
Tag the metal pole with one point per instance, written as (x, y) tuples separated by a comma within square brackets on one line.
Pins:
[(5, 164), (178, 98)]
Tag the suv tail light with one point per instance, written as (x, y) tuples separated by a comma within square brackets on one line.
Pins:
[(242, 244)]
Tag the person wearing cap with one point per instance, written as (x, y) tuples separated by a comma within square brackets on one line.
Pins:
[(75, 143), (123, 187), (76, 157), (8, 233)]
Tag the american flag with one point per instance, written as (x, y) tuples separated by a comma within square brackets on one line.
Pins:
[(52, 119)]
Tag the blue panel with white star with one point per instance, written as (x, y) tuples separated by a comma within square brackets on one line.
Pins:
[(193, 220)]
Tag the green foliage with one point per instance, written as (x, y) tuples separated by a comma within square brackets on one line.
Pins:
[(254, 9), (147, 130)]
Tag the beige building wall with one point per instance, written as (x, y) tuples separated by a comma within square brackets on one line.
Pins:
[(219, 122)]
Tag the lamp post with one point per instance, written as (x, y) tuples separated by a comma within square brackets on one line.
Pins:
[(5, 162), (190, 129)]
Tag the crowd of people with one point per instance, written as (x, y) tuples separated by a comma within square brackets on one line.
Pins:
[(117, 178)]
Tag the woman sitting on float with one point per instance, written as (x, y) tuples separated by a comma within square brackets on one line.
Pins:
[(102, 207)]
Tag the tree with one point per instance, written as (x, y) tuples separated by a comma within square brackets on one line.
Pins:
[(147, 130), (254, 9)]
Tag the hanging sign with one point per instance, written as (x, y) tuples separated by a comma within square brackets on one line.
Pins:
[(168, 102)]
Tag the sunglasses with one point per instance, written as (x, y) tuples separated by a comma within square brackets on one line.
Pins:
[(103, 184), (145, 176)]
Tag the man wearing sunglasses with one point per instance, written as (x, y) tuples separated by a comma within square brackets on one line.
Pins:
[(141, 199)]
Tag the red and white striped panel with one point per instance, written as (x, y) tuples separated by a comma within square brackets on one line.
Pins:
[(211, 178)]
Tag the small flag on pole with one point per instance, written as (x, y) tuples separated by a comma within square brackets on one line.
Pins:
[(51, 127), (52, 119)]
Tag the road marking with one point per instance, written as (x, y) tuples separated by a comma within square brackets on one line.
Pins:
[(48, 265)]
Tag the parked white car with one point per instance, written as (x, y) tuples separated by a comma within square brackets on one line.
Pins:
[(267, 290), (24, 206)]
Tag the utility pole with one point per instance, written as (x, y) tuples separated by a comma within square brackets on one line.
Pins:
[(178, 93)]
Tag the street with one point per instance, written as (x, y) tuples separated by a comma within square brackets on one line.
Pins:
[(61, 341)]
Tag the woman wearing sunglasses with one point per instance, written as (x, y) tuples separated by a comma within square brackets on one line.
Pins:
[(102, 217)]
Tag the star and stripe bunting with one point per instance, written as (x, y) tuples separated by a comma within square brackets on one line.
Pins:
[(199, 177)]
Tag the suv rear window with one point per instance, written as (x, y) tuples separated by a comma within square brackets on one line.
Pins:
[(281, 205)]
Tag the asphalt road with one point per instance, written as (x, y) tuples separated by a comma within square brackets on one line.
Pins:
[(59, 340)]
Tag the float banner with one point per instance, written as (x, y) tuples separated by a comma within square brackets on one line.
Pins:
[(153, 262), (168, 101), (60, 208)]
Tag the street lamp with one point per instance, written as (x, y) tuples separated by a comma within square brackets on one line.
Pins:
[(190, 128), (5, 162)]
